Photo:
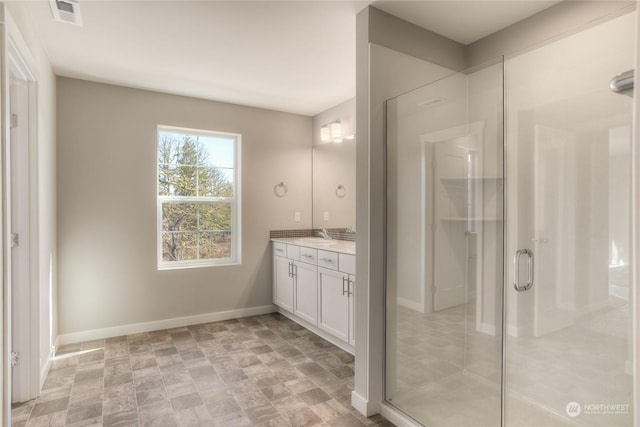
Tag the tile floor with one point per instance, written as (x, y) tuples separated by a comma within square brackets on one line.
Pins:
[(257, 371), (445, 373)]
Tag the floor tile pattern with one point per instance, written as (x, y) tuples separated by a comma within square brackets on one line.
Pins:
[(258, 371), (444, 372)]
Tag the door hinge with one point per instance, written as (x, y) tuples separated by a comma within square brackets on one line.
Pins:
[(15, 240), (15, 359), (14, 120)]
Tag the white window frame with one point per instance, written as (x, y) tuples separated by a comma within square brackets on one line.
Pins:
[(235, 201)]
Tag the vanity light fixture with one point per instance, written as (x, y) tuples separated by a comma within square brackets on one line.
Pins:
[(335, 132), (331, 132)]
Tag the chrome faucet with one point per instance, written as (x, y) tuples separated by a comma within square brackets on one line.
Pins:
[(325, 234)]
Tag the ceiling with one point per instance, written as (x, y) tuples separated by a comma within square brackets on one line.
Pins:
[(293, 56), (462, 20)]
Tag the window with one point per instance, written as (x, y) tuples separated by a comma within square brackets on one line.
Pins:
[(198, 198)]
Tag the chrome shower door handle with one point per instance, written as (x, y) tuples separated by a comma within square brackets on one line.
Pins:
[(516, 270)]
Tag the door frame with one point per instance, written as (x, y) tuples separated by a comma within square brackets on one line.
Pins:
[(28, 378), (15, 55)]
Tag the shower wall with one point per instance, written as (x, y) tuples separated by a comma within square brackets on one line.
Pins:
[(391, 64)]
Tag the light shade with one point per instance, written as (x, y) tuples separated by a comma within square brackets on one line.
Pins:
[(325, 134), (336, 130)]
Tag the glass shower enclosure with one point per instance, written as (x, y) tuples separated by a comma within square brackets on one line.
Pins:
[(508, 298)]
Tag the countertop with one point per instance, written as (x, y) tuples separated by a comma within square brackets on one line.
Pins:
[(342, 246)]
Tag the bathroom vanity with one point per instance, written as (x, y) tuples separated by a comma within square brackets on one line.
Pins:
[(314, 284)]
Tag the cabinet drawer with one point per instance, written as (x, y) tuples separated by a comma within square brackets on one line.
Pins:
[(293, 252), (309, 255), (328, 259), (280, 249), (347, 263)]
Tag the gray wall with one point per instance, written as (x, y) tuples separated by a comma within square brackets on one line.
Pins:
[(108, 273)]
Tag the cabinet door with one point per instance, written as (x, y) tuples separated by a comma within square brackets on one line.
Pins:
[(352, 309), (334, 303), (282, 283), (306, 294)]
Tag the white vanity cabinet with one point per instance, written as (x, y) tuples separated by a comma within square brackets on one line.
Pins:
[(335, 302), (282, 282), (306, 291), (295, 283), (315, 287)]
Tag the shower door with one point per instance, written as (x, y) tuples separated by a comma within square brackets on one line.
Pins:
[(445, 250), (568, 359)]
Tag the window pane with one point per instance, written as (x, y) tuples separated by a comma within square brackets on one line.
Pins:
[(195, 165), (215, 244), (179, 217), (215, 216), (167, 180), (179, 246), (168, 149), (215, 182)]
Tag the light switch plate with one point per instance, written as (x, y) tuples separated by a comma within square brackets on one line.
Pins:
[(296, 217), (325, 216)]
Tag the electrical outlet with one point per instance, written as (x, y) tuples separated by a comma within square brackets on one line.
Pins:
[(325, 216), (296, 217)]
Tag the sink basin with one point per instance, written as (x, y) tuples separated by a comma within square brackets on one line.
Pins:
[(315, 241)]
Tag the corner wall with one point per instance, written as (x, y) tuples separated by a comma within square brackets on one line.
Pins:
[(109, 281), (389, 62)]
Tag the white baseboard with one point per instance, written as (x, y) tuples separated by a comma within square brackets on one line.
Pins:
[(363, 406), (411, 305), (116, 331), (396, 417)]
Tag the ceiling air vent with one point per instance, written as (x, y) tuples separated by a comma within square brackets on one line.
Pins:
[(66, 11)]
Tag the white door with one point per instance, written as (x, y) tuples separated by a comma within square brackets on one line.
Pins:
[(334, 303), (283, 283), (306, 293), (21, 335)]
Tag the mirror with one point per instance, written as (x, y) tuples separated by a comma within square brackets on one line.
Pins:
[(334, 185), (334, 167)]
